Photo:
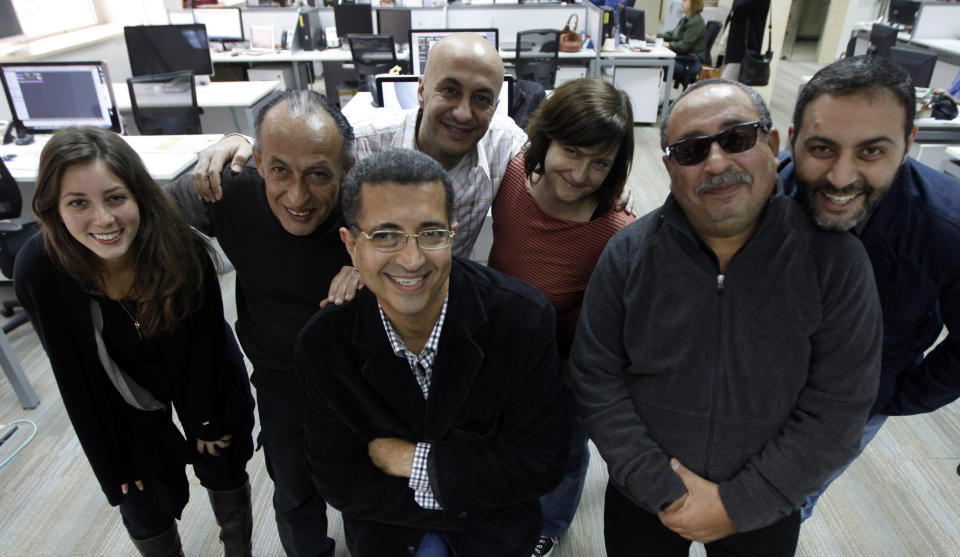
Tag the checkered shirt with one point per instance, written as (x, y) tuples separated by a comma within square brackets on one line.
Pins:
[(422, 367), (476, 177)]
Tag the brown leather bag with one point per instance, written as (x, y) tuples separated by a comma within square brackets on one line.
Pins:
[(570, 40)]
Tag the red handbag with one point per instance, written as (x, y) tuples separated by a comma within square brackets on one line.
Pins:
[(570, 40)]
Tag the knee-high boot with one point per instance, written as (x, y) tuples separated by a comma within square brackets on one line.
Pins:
[(164, 544), (234, 514)]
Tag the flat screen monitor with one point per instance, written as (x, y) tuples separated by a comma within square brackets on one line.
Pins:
[(918, 63), (882, 38), (353, 19), (157, 49), (421, 40), (903, 12), (47, 96), (394, 22), (632, 24), (223, 24), (399, 92)]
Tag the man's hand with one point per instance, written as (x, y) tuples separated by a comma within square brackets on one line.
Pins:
[(343, 286), (212, 446), (699, 515), (393, 456), (206, 174)]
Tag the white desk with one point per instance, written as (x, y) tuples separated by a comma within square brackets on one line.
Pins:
[(339, 55), (246, 96), (656, 57), (951, 162)]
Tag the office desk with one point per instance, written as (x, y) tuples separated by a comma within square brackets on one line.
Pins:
[(246, 96), (339, 55), (656, 57), (951, 162)]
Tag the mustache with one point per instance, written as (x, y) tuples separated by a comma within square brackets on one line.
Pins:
[(727, 177), (823, 185)]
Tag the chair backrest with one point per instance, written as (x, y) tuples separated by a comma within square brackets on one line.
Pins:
[(537, 56), (11, 202), (372, 54), (713, 29), (165, 104)]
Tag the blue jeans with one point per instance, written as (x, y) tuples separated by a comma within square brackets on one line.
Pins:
[(869, 432), (560, 505), (433, 545)]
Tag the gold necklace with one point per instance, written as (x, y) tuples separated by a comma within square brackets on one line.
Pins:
[(135, 319)]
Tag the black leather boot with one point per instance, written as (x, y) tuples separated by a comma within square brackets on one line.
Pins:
[(164, 544), (234, 514)]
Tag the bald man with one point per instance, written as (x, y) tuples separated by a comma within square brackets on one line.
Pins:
[(455, 125)]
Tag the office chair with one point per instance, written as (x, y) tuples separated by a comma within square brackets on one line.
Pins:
[(165, 104), (372, 55), (12, 238), (537, 56), (689, 65)]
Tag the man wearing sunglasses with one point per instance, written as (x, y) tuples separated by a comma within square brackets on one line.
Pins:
[(727, 350), (433, 400), (852, 128)]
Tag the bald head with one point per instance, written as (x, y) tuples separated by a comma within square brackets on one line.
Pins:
[(467, 49)]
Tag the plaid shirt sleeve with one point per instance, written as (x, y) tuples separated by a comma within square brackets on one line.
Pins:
[(420, 481)]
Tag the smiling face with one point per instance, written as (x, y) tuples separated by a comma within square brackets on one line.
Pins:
[(573, 175), (100, 212), (411, 283), (458, 94), (847, 154), (723, 195), (300, 162)]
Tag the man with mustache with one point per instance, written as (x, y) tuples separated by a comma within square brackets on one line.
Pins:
[(852, 128), (727, 351)]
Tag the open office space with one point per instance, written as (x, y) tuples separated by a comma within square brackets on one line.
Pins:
[(901, 498)]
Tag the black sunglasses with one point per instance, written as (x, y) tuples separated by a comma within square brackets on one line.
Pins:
[(737, 139)]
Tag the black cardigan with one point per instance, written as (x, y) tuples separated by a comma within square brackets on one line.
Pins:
[(123, 444)]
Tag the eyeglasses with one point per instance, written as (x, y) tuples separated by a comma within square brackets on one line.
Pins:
[(737, 139), (395, 240)]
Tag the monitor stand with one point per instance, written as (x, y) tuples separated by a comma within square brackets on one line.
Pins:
[(23, 138)]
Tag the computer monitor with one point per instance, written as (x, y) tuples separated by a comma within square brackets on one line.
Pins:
[(632, 24), (399, 92), (903, 12), (918, 63), (223, 24), (421, 40), (157, 49), (395, 22), (353, 19), (47, 96), (882, 38)]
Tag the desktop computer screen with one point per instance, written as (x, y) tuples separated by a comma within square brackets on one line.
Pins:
[(903, 12), (399, 92), (47, 96), (157, 49), (632, 24), (353, 19), (395, 22), (223, 24), (421, 40), (918, 63)]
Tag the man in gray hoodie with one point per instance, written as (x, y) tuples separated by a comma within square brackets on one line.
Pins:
[(728, 350)]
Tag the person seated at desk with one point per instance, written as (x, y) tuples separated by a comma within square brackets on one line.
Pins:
[(125, 299), (689, 37)]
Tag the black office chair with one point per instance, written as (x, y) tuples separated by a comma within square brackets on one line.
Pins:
[(12, 238), (165, 104), (372, 55), (691, 65), (537, 56)]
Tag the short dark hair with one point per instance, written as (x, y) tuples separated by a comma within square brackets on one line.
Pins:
[(395, 166), (583, 113), (859, 75), (763, 113), (302, 102)]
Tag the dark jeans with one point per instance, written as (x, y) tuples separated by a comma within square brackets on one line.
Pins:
[(300, 511), (630, 531), (149, 512)]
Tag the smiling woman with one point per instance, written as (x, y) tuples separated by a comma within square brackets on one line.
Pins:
[(126, 301)]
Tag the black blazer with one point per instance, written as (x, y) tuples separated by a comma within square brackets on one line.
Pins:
[(496, 418)]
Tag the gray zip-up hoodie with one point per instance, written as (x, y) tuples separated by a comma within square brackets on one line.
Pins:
[(759, 379)]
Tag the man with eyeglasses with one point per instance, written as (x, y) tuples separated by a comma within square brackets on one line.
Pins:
[(433, 399), (727, 350), (852, 129)]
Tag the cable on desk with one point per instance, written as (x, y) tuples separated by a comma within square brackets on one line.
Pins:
[(22, 445)]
